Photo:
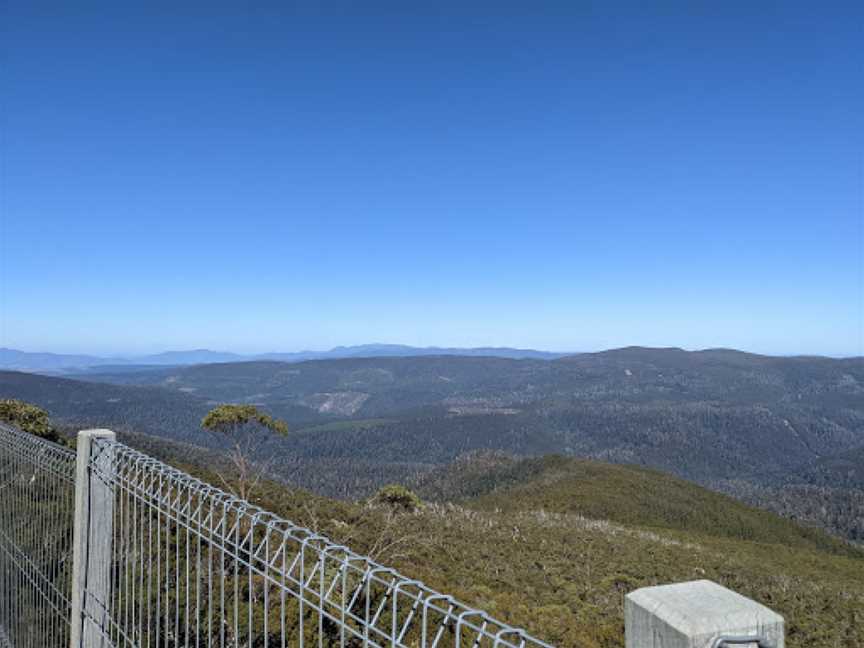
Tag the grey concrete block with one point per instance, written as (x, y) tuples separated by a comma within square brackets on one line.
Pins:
[(694, 614)]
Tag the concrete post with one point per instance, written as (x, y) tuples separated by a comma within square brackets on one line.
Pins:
[(91, 550), (698, 614)]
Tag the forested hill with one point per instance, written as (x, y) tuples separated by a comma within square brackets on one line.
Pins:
[(628, 495), (553, 544), (630, 375), (79, 404), (743, 423)]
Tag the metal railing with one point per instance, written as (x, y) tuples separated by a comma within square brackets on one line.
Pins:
[(37, 486), (165, 560)]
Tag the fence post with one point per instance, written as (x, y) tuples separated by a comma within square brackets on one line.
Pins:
[(91, 550)]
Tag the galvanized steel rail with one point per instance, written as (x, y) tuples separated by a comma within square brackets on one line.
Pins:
[(180, 563), (37, 485)]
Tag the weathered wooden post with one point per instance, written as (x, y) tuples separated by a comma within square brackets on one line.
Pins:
[(698, 614), (91, 551)]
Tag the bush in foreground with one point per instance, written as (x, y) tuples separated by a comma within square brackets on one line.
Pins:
[(398, 497)]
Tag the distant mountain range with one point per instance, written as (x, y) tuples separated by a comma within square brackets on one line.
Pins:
[(786, 433), (496, 447), (59, 363)]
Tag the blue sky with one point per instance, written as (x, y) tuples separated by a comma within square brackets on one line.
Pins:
[(570, 177)]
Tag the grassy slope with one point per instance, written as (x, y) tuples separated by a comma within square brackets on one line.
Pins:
[(527, 551), (564, 576), (624, 494)]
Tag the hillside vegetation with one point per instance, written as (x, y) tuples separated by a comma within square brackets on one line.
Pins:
[(152, 410), (624, 494), (553, 545), (756, 427)]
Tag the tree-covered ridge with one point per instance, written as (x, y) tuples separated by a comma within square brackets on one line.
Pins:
[(749, 425), (633, 374), (622, 494), (563, 573), (554, 543)]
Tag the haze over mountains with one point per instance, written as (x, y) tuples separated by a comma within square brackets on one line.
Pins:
[(783, 432), (61, 363)]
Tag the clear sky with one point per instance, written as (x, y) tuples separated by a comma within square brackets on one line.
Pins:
[(571, 177)]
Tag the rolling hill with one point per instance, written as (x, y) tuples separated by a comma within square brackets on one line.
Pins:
[(78, 404), (628, 495), (749, 425), (554, 543)]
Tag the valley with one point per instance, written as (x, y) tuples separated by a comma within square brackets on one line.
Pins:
[(757, 427)]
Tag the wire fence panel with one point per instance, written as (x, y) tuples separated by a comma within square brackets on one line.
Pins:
[(173, 562), (37, 486), (193, 566)]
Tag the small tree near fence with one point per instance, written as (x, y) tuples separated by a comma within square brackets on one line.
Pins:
[(29, 418), (246, 429)]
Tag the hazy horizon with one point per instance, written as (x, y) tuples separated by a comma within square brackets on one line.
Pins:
[(128, 355)]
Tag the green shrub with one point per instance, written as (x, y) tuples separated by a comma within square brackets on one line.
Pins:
[(28, 418), (397, 496)]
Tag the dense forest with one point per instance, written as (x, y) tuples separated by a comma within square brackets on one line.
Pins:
[(551, 543), (782, 433)]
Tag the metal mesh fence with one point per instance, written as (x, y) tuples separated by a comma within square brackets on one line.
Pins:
[(194, 566), (163, 560), (37, 486)]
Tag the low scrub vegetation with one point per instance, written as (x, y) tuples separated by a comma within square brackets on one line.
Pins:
[(398, 497), (560, 566)]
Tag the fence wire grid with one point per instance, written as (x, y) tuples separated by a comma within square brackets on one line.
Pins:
[(37, 488), (187, 565)]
